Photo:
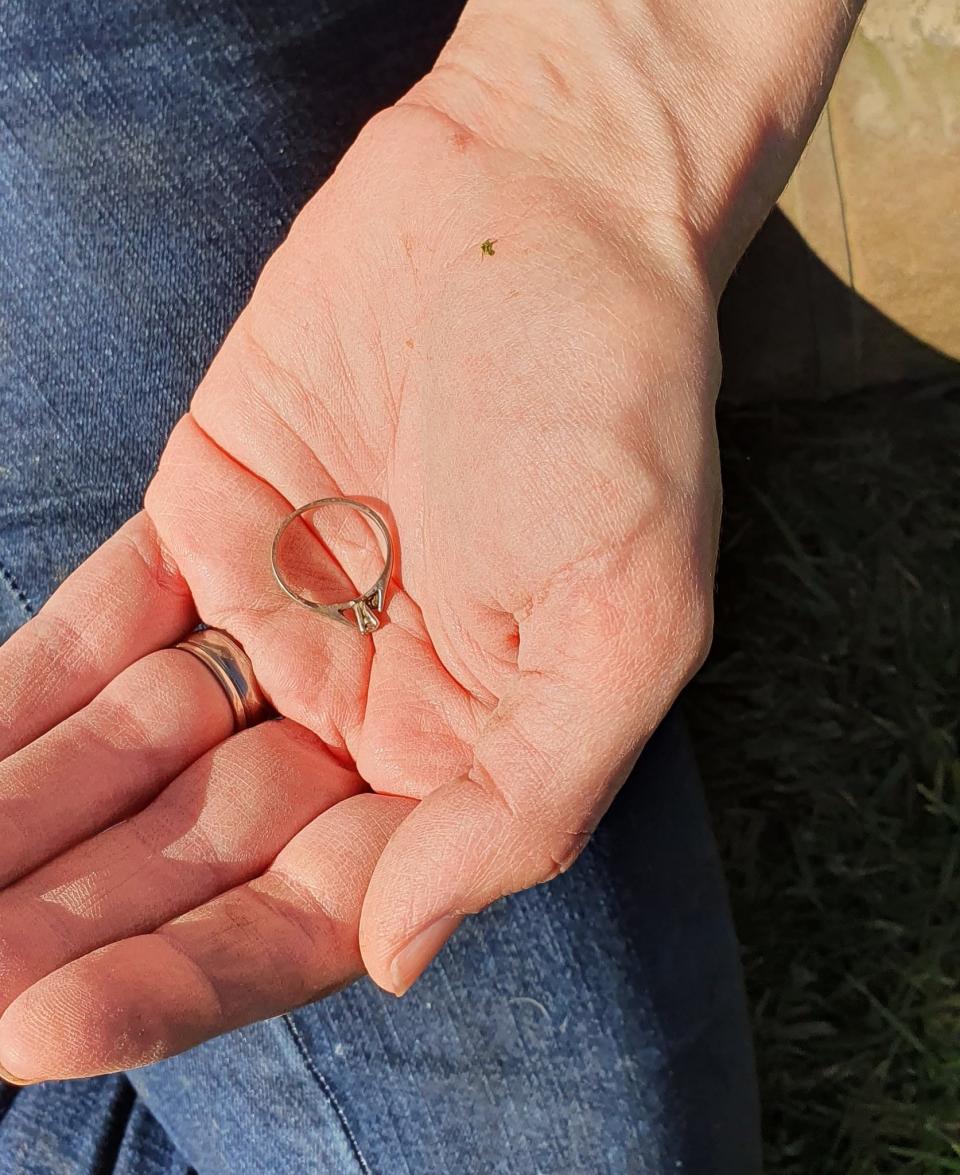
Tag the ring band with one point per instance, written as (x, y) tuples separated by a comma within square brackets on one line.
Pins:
[(365, 607), (231, 666)]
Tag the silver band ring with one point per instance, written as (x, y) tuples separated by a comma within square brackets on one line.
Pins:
[(365, 607), (231, 666)]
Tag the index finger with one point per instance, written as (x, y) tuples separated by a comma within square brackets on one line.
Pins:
[(125, 601)]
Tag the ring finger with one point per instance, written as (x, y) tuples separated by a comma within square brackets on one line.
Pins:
[(108, 759)]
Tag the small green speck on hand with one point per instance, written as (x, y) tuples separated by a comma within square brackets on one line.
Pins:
[(486, 247)]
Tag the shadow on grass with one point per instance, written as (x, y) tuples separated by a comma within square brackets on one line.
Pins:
[(826, 727)]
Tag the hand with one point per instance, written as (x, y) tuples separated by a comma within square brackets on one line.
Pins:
[(537, 417)]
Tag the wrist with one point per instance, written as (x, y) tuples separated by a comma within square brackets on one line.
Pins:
[(680, 113)]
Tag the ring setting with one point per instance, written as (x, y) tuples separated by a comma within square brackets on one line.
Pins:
[(363, 611)]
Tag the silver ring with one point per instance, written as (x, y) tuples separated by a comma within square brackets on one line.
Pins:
[(232, 668), (366, 607)]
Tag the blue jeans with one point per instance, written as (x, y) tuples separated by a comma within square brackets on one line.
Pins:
[(151, 156)]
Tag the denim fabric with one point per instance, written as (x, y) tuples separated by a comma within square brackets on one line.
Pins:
[(151, 156), (72, 1128)]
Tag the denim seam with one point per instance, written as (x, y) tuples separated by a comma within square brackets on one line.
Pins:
[(21, 596), (327, 1092)]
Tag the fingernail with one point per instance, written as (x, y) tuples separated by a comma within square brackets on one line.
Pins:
[(410, 962), (11, 1080)]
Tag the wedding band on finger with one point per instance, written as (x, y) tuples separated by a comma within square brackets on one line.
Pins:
[(362, 612), (232, 668)]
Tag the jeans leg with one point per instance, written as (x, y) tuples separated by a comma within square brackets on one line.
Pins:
[(79, 1127), (158, 152), (152, 156), (596, 1024)]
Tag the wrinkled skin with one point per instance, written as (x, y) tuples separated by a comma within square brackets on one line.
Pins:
[(537, 424)]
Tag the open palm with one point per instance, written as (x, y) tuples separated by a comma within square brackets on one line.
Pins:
[(534, 417)]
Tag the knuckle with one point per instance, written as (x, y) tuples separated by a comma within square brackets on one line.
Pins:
[(539, 844), (145, 545), (14, 971), (696, 631), (63, 647), (559, 850), (544, 853), (679, 640)]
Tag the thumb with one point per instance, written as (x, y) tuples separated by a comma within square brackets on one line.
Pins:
[(546, 766), (589, 690)]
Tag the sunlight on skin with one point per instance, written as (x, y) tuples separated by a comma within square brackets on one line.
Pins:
[(505, 686), (539, 419)]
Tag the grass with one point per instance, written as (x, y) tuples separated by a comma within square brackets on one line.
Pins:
[(826, 722)]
